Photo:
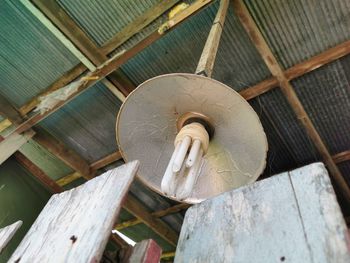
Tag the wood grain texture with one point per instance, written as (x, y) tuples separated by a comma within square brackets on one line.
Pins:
[(136, 25), (75, 225), (207, 59), (6, 234), (12, 143), (146, 251), (323, 222), (291, 217)]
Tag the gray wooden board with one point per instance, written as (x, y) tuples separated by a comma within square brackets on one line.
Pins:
[(75, 225), (7, 233), (291, 217), (325, 228)]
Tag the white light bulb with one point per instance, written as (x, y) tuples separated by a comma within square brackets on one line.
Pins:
[(184, 190), (168, 182), (180, 156), (194, 153)]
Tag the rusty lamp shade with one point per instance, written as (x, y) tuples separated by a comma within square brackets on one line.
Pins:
[(152, 115)]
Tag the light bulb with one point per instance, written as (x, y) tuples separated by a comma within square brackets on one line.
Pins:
[(184, 166)]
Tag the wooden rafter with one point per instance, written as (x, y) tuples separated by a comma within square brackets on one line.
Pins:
[(288, 90), (137, 25), (68, 26), (165, 212)]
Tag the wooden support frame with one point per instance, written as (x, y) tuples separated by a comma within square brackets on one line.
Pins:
[(287, 89), (165, 212), (207, 59), (137, 25), (67, 25)]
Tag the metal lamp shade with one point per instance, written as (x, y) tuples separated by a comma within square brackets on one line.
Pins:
[(146, 129)]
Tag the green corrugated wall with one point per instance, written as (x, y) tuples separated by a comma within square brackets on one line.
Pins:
[(21, 198)]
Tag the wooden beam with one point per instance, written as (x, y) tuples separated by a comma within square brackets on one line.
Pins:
[(9, 111), (299, 70), (93, 167), (287, 89), (137, 25), (165, 212), (39, 174), (80, 39), (168, 255), (68, 179), (133, 206), (64, 80), (111, 158), (341, 157), (207, 59), (68, 156)]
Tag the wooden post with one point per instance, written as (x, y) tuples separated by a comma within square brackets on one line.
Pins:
[(291, 217), (207, 59), (287, 89)]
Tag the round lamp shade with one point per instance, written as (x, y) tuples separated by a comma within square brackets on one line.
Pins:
[(147, 126)]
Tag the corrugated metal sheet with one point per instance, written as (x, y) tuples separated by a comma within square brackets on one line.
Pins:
[(87, 123), (299, 29), (46, 161), (31, 58), (286, 124), (237, 63), (101, 20), (325, 94)]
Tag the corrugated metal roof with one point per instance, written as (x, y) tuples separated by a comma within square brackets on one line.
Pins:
[(237, 63), (299, 29), (31, 58), (87, 123), (325, 94), (286, 124), (101, 20), (46, 161)]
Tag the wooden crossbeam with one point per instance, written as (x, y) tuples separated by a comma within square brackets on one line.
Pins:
[(75, 34), (165, 212), (111, 158), (288, 90), (68, 156), (133, 206), (137, 25)]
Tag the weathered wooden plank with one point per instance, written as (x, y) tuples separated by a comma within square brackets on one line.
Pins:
[(75, 225), (207, 59), (257, 223), (323, 223), (291, 217), (7, 233), (146, 251), (12, 143), (138, 24)]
